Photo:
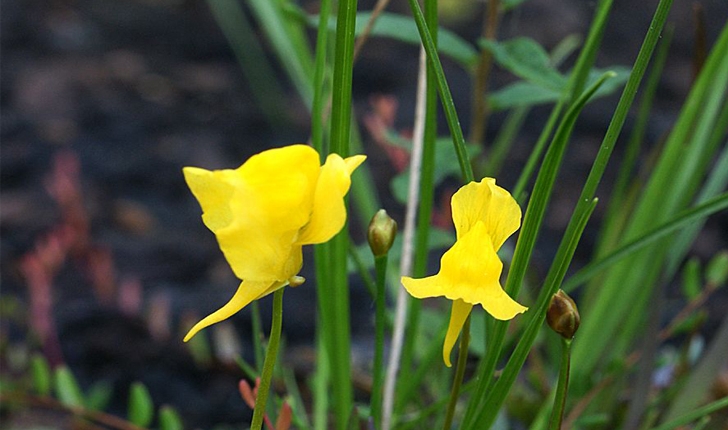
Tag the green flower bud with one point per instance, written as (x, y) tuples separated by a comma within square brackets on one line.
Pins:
[(381, 234), (563, 315)]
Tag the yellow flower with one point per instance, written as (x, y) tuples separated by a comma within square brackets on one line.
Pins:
[(263, 212), (484, 215)]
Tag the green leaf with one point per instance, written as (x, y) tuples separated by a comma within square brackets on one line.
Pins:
[(169, 419), (141, 407), (717, 270), (691, 280), (524, 93), (446, 164), (520, 94), (67, 389), (507, 5), (402, 28), (691, 323), (526, 59), (99, 395), (41, 374), (621, 74)]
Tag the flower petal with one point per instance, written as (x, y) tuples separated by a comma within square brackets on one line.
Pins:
[(421, 288), (213, 193), (469, 271), (486, 202), (257, 210), (328, 215), (459, 313), (502, 307), (246, 293)]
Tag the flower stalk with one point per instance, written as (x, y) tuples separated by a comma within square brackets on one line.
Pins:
[(557, 413), (459, 374), (381, 234), (270, 360)]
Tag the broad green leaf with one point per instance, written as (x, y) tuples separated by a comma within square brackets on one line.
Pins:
[(41, 373), (141, 407), (67, 389), (521, 93), (169, 419), (526, 59), (403, 28)]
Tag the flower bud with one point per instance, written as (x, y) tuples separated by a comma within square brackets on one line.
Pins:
[(563, 315), (381, 234), (295, 281)]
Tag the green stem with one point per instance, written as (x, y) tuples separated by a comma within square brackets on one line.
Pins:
[(526, 241), (270, 360), (447, 102), (334, 304), (557, 413), (459, 373), (380, 265), (317, 110), (257, 335)]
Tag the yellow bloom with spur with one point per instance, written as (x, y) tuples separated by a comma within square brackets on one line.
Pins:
[(263, 212), (485, 215)]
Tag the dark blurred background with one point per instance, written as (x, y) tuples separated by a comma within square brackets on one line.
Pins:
[(103, 103)]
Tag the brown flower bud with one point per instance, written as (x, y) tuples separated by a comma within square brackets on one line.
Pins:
[(381, 234), (563, 315)]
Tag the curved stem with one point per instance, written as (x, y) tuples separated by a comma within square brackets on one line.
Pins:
[(459, 373), (557, 413), (270, 360)]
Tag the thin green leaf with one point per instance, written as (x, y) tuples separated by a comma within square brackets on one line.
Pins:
[(448, 105), (258, 71), (717, 271), (291, 52), (524, 248), (140, 408), (41, 374), (67, 389), (169, 419), (683, 219), (691, 280), (99, 396), (672, 185), (694, 415)]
